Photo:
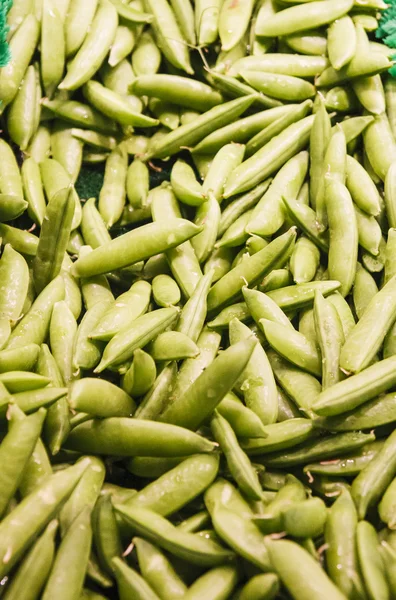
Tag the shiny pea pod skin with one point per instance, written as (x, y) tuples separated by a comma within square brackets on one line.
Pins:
[(14, 276), (21, 115), (33, 188), (141, 374), (282, 87), (260, 587), (305, 519), (370, 560), (158, 571), (304, 261), (330, 337), (113, 401), (129, 582), (364, 196)]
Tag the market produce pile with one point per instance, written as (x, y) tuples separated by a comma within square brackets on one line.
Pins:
[(198, 364)]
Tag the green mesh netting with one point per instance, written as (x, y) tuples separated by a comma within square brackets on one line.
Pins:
[(387, 29), (5, 6)]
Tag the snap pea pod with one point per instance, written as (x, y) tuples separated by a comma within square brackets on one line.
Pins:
[(158, 571), (331, 337), (106, 536), (370, 561), (129, 582), (349, 466)]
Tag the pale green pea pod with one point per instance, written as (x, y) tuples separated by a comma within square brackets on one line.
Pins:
[(380, 145), (375, 264), (52, 47), (225, 161), (112, 194), (22, 47), (40, 144), (225, 59), (257, 382), (302, 295), (83, 67), (364, 289), (100, 398), (305, 519), (137, 184), (370, 561), (269, 158), (73, 297), (166, 113), (62, 331), (341, 44), (93, 228), (233, 23), (390, 195), (255, 243), (99, 141), (55, 178), (122, 45), (19, 359), (87, 352), (118, 78), (11, 207), (80, 115), (239, 311), (304, 260), (341, 99), (54, 237), (260, 587), (369, 231), (14, 277), (66, 149), (156, 265), (207, 21), (33, 328), (157, 397), (10, 178), (33, 189), (5, 331), (243, 420), (362, 189), (305, 218), (306, 326), (168, 35), (21, 114), (172, 345), (17, 13), (261, 306), (242, 204), (333, 168), (343, 245), (235, 235), (207, 216), (370, 93), (319, 139), (146, 56), (390, 102), (330, 337), (129, 582), (141, 374), (141, 331), (268, 215), (311, 42), (215, 583), (281, 87), (158, 571), (184, 184), (120, 314), (220, 262), (386, 507), (166, 292), (78, 21), (185, 17), (390, 263)]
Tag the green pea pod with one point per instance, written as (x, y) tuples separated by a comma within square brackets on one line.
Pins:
[(62, 331), (158, 571), (224, 495), (33, 189), (172, 345), (39, 147), (90, 55), (269, 158), (374, 413), (66, 149), (220, 261), (305, 519), (296, 18), (55, 178), (146, 56), (155, 528), (52, 47), (137, 184), (364, 289), (380, 145), (215, 584), (370, 561), (151, 467), (242, 419), (105, 531), (22, 112), (388, 558), (168, 35), (184, 184), (14, 275), (11, 207), (341, 42), (23, 524), (286, 64), (78, 21), (291, 561), (320, 135), (80, 115), (270, 518), (112, 194), (233, 23), (304, 261), (22, 47), (260, 587), (207, 21), (369, 232), (192, 133), (35, 567), (225, 161), (304, 217), (365, 195), (269, 214), (239, 464), (113, 401), (192, 316), (207, 217), (21, 381), (134, 246), (130, 583), (19, 359), (386, 508), (330, 337), (282, 87), (135, 437), (280, 436), (166, 292), (10, 178), (123, 44), (192, 407), (93, 228), (141, 375), (71, 561), (86, 351), (370, 93)]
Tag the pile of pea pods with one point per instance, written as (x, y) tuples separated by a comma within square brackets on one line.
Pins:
[(198, 378)]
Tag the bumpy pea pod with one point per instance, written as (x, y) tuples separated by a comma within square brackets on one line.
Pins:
[(129, 583), (62, 331), (54, 237), (370, 560), (305, 519), (330, 337), (14, 275)]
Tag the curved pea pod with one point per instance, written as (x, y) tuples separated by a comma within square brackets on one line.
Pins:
[(34, 512), (296, 18), (134, 246), (123, 44), (173, 345), (22, 47), (380, 145), (77, 23), (10, 177), (269, 215), (22, 112), (141, 331), (22, 381), (168, 35), (11, 207), (179, 486), (112, 194), (192, 407), (207, 217), (106, 535), (239, 464), (52, 47), (80, 115), (291, 492), (207, 21), (100, 398), (72, 558), (374, 413), (341, 99), (66, 149), (62, 331), (341, 43), (287, 64), (305, 218), (115, 106), (363, 342), (193, 549), (370, 93), (90, 55), (216, 583), (93, 228), (55, 178), (158, 571), (305, 519), (233, 23), (260, 306), (260, 587), (330, 337), (151, 467), (157, 396), (135, 437), (242, 419), (130, 583), (33, 189), (239, 310), (190, 134), (86, 351), (370, 561), (257, 382), (291, 562), (293, 346), (184, 184), (276, 85), (141, 374), (223, 494), (137, 184), (249, 271), (304, 261), (362, 189), (14, 275), (280, 436), (386, 508), (34, 326), (225, 160), (146, 56), (373, 480), (19, 359), (166, 292), (269, 158), (54, 237), (220, 262), (369, 232), (5, 331), (35, 567)]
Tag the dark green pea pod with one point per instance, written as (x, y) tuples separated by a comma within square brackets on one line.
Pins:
[(19, 359), (280, 436), (22, 381), (71, 561), (21, 526), (100, 398), (158, 571), (376, 412), (349, 466), (33, 571), (121, 436), (105, 532), (151, 467), (188, 546), (193, 406), (305, 519)]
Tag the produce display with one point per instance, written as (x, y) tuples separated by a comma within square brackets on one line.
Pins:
[(197, 300)]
